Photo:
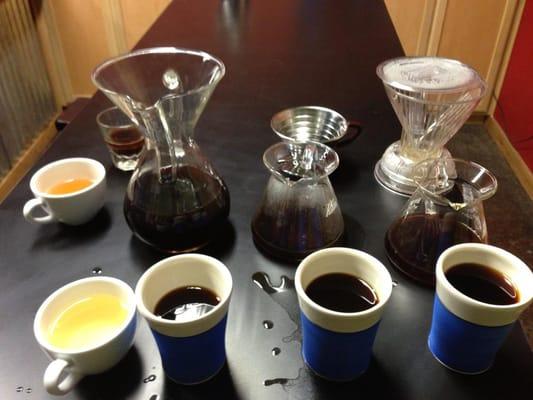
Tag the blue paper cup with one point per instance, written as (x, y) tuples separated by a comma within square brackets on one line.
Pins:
[(336, 345), (465, 333), (192, 351)]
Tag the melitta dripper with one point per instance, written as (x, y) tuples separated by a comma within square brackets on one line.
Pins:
[(175, 201)]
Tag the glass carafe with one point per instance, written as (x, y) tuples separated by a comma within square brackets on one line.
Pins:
[(175, 201), (432, 98), (299, 212), (446, 209)]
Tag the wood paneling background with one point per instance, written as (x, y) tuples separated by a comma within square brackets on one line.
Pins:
[(79, 34), (26, 100), (476, 32), (138, 16)]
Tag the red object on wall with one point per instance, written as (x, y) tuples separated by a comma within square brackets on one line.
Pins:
[(515, 110)]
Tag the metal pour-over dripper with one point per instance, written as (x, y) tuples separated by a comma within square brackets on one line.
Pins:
[(315, 124), (432, 98)]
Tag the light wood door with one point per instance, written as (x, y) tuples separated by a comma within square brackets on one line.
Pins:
[(412, 20), (77, 35)]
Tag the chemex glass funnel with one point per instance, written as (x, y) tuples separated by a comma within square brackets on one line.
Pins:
[(175, 199), (432, 97)]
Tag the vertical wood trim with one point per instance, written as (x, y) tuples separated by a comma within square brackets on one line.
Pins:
[(436, 27), (517, 164), (496, 61), (44, 94), (425, 27), (114, 26), (27, 159), (53, 53), (7, 85), (515, 24)]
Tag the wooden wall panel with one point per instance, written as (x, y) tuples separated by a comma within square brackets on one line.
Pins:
[(82, 31), (138, 16), (476, 32), (407, 17), (470, 31), (89, 31)]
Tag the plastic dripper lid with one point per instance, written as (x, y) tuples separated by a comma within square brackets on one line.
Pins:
[(429, 74)]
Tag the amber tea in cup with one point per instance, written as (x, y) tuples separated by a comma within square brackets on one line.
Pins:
[(70, 191), (70, 186), (85, 328), (91, 320)]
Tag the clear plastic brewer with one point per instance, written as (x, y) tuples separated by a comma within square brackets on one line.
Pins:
[(299, 212), (445, 210), (175, 200), (432, 98)]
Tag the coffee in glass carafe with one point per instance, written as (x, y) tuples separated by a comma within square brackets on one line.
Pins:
[(299, 212), (446, 209), (175, 201)]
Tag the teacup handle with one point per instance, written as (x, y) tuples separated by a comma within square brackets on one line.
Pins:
[(53, 374), (28, 212)]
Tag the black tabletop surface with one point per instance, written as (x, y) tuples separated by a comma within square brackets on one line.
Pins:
[(278, 54)]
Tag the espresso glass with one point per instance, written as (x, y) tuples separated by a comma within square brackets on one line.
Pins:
[(124, 140)]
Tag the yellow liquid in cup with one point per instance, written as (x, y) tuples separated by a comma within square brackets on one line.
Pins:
[(89, 322), (70, 186)]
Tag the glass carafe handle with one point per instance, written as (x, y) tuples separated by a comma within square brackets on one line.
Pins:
[(158, 131)]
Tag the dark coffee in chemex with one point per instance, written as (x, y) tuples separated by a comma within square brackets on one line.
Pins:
[(483, 283), (186, 303), (342, 292)]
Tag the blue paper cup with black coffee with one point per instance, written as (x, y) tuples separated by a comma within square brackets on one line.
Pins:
[(481, 291), (342, 294), (185, 299)]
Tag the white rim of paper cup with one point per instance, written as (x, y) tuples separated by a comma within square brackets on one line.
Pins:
[(37, 175), (340, 321), (40, 335), (195, 326), (472, 310)]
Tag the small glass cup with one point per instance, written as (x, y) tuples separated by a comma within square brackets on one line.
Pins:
[(123, 138)]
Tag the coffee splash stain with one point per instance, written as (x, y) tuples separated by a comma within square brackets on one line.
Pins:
[(285, 296), (149, 378)]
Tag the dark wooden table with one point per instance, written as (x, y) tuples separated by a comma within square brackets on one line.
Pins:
[(278, 54)]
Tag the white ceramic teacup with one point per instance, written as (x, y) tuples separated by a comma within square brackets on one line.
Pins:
[(69, 365), (74, 208)]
